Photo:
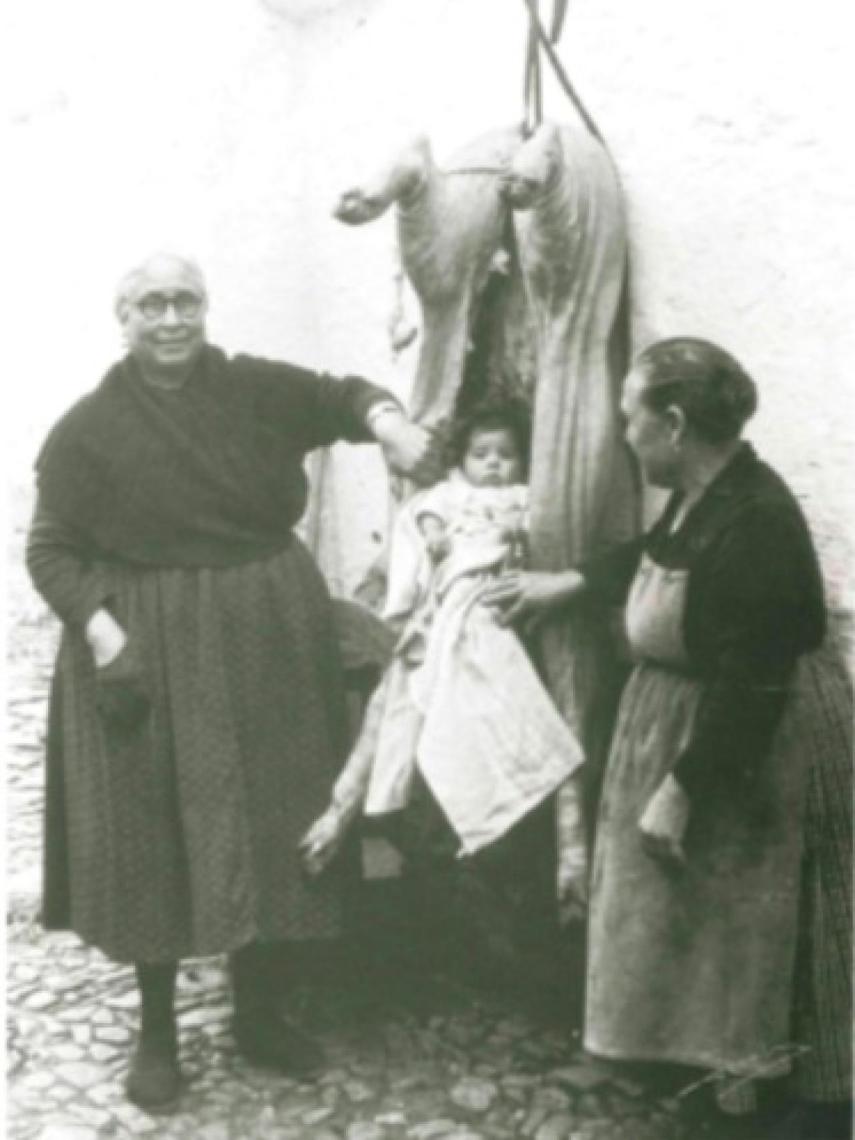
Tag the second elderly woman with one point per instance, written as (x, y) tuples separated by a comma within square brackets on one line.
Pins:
[(720, 921)]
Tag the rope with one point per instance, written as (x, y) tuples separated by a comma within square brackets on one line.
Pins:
[(559, 13), (538, 34), (532, 85), (532, 88)]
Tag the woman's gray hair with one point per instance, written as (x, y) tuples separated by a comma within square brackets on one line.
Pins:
[(129, 284), (711, 388)]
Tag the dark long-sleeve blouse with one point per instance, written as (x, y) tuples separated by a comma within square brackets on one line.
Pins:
[(210, 474), (754, 604), (62, 569)]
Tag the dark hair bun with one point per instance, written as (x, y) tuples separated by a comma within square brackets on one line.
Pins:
[(715, 393)]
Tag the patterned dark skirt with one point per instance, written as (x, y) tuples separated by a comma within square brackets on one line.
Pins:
[(174, 833)]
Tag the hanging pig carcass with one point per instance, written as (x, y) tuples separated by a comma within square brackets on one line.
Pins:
[(451, 226), (536, 301)]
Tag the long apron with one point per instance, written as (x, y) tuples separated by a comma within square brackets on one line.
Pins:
[(695, 965)]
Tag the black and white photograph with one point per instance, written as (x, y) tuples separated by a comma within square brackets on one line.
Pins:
[(430, 604)]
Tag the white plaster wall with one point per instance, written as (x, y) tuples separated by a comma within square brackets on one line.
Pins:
[(228, 127)]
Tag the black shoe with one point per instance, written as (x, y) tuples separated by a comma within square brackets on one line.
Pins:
[(270, 1041), (153, 1082)]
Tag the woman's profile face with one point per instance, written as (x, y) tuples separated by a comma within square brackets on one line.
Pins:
[(649, 434)]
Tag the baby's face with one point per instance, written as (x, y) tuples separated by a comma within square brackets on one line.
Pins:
[(492, 458)]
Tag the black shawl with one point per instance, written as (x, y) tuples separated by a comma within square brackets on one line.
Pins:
[(208, 474)]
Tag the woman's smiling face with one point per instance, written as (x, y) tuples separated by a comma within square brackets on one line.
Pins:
[(163, 316)]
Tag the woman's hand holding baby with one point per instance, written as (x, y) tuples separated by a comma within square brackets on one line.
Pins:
[(531, 593)]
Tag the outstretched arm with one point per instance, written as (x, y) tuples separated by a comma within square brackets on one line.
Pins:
[(532, 594), (316, 410)]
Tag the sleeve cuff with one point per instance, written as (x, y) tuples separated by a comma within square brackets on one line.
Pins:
[(379, 409), (90, 601)]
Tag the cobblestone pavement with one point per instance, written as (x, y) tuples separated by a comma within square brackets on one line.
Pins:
[(459, 1063)]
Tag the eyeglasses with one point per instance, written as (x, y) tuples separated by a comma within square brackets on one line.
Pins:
[(154, 306)]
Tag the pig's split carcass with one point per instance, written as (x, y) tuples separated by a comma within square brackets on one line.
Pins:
[(451, 224), (516, 252)]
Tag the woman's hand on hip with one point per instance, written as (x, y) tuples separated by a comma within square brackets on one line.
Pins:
[(664, 820), (105, 636), (531, 593), (408, 448)]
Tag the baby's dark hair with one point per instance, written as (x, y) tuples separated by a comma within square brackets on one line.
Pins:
[(490, 414)]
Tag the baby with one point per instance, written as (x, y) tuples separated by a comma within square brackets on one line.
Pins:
[(462, 508), (460, 701)]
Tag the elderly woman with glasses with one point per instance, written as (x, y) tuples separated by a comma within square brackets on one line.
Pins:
[(720, 897), (197, 712)]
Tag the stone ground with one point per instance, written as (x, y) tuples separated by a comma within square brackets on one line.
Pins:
[(412, 1052)]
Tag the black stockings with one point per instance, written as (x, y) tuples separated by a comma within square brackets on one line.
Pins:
[(156, 981)]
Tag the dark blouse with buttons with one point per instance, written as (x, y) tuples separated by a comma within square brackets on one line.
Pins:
[(754, 604)]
